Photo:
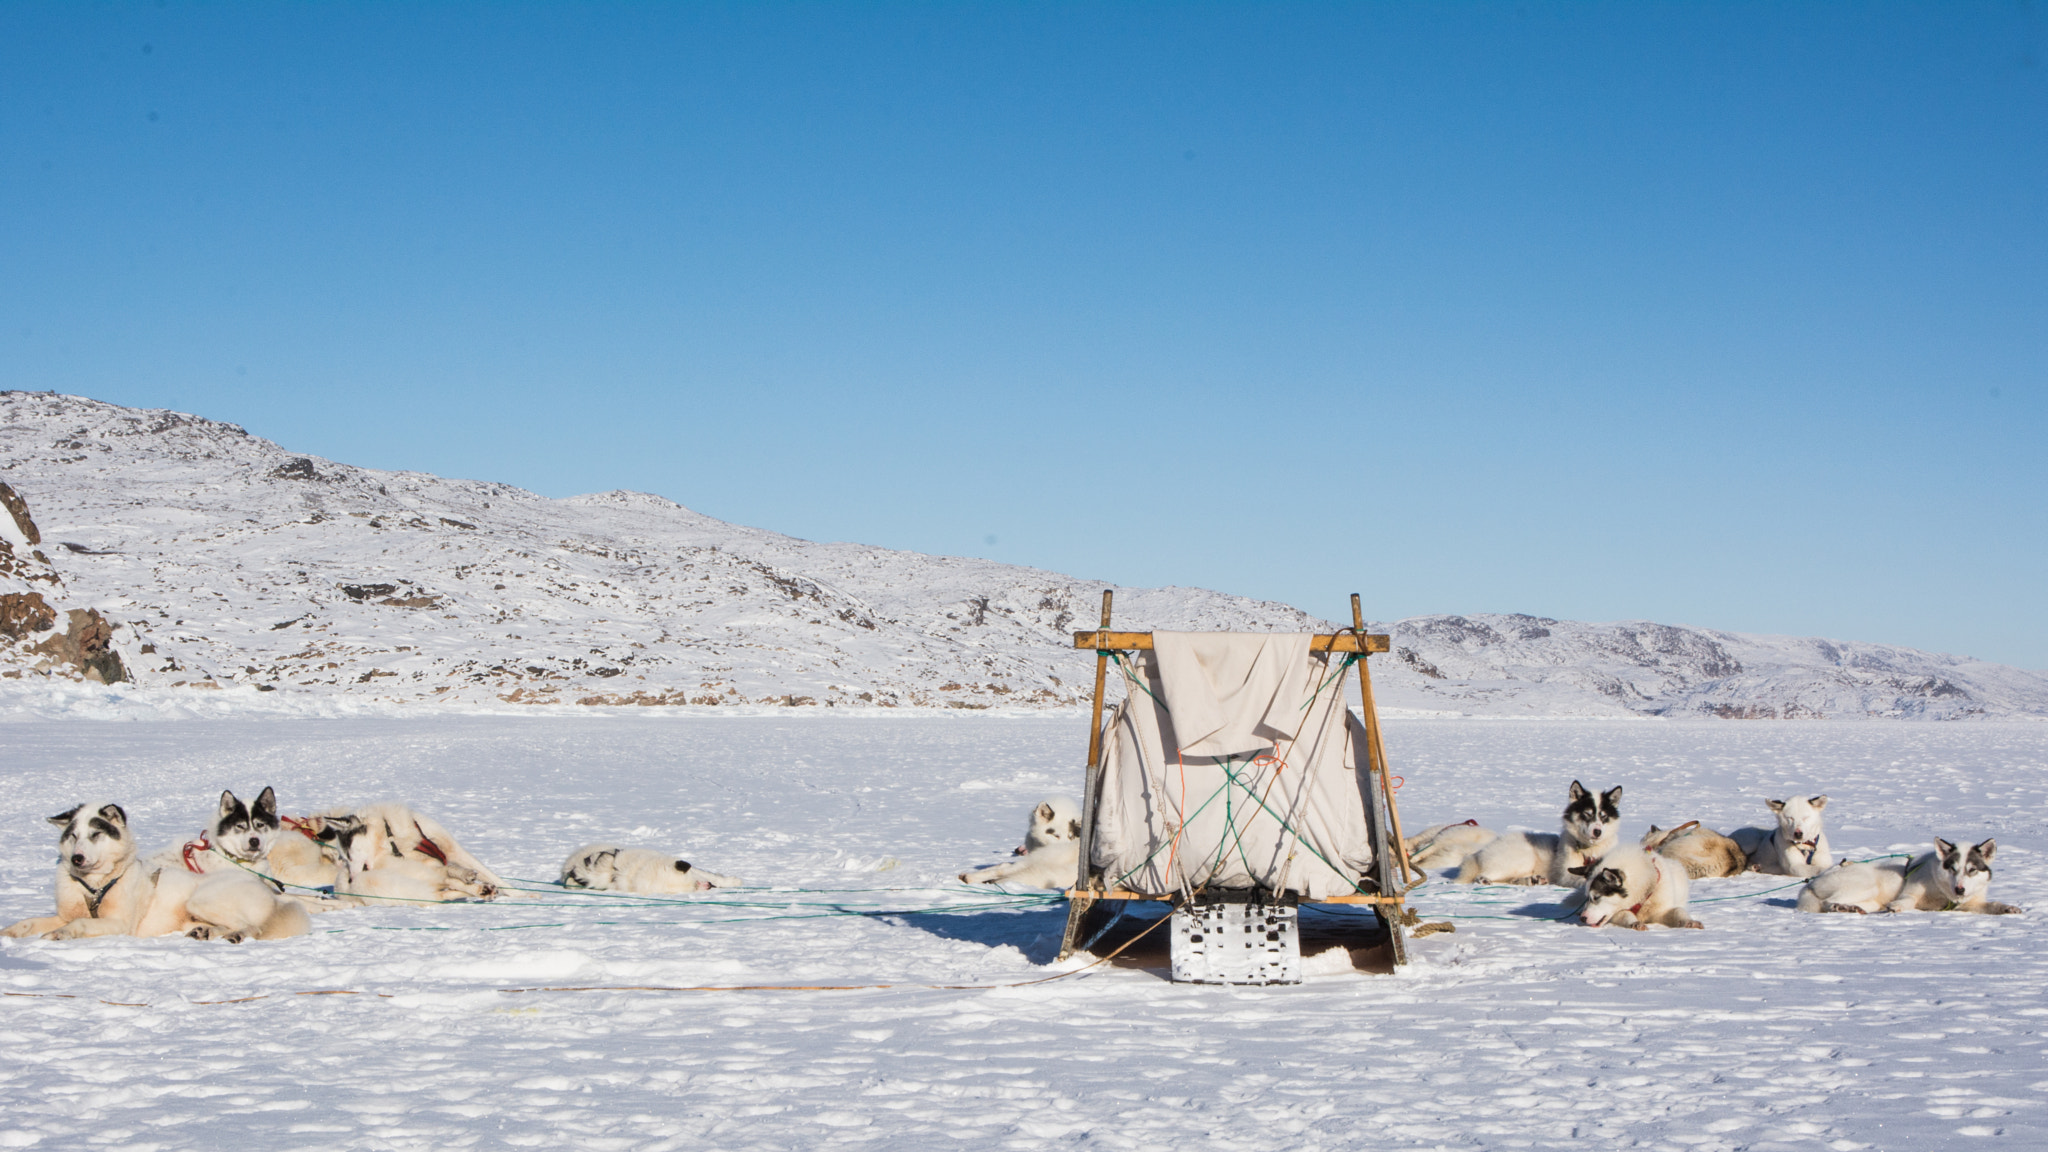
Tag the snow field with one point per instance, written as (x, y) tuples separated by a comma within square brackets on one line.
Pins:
[(1768, 1030)]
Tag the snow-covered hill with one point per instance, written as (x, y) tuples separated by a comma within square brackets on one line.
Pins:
[(226, 563)]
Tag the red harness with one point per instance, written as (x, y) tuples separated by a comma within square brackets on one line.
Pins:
[(193, 848)]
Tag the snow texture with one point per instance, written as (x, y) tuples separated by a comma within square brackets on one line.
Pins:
[(244, 578), (1769, 1030)]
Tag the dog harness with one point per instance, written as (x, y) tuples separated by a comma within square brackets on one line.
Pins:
[(193, 848), (93, 898)]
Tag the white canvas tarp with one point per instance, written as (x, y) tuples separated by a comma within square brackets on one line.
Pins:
[(1234, 763)]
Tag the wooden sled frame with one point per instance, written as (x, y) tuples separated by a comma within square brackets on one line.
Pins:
[(1383, 818)]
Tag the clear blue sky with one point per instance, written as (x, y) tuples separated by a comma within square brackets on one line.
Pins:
[(1729, 315)]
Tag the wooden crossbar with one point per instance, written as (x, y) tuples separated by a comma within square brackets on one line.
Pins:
[(1142, 641)]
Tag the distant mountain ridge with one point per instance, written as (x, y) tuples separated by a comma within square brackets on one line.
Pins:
[(221, 560)]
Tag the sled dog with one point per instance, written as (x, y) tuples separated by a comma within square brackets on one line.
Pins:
[(373, 870), (239, 836), (1798, 846), (610, 868), (1542, 858), (1631, 888), (389, 832), (103, 889), (1703, 851), (1051, 854), (1951, 878), (1446, 845)]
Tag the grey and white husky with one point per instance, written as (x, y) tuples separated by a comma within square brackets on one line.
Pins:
[(1587, 834), (1951, 878), (1798, 846), (611, 868), (1631, 888), (104, 889)]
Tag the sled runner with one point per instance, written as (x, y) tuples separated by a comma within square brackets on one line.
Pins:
[(1235, 783)]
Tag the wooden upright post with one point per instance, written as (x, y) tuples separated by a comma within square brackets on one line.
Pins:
[(1392, 860), (1084, 887)]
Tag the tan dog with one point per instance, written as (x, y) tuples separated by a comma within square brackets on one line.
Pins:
[(103, 890), (1446, 845), (1703, 851)]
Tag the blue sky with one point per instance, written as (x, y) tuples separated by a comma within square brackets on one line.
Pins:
[(1729, 315)]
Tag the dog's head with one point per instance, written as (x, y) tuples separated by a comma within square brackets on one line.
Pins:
[(344, 838), (95, 840), (1966, 872), (245, 831), (1614, 884), (1799, 822), (1592, 819), (594, 866), (1055, 820)]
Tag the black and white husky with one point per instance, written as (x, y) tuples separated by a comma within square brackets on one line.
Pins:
[(1951, 878), (1798, 846), (610, 868), (1588, 833), (373, 870), (104, 889), (1631, 888), (1051, 854), (239, 836)]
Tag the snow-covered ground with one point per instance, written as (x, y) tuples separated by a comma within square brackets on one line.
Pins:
[(1768, 1030)]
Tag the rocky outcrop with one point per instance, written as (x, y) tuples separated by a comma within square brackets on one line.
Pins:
[(87, 644)]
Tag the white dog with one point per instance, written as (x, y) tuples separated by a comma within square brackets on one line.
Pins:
[(104, 890), (1703, 851), (1051, 854), (385, 834), (610, 868), (1631, 888), (239, 836), (374, 868), (1950, 878), (1446, 845), (1798, 846), (1587, 834)]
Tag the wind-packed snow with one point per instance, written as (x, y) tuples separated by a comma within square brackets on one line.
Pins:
[(230, 564), (1770, 1029)]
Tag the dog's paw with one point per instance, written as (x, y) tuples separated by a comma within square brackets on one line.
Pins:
[(71, 931), (16, 931), (1692, 924), (1831, 906), (1997, 909)]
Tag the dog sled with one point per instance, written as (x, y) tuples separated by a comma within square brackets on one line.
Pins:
[(1234, 783)]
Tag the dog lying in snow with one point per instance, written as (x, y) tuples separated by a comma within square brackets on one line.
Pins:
[(239, 836), (1798, 846), (1703, 851), (1950, 878), (1631, 888), (103, 889), (389, 835), (1050, 855), (610, 868), (1446, 845), (1587, 834)]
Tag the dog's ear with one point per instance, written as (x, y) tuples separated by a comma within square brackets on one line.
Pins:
[(1074, 829), (265, 809), (1775, 805), (1581, 870), (1611, 797), (610, 855), (228, 803), (1944, 849), (1042, 812), (113, 814), (1986, 850), (63, 818), (1818, 802), (1579, 791)]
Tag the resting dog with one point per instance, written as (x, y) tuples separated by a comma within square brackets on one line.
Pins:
[(1051, 854), (1541, 858), (239, 836), (610, 868), (1951, 878), (1446, 845), (371, 872), (104, 890), (1798, 846), (1631, 888), (385, 834), (1703, 851)]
